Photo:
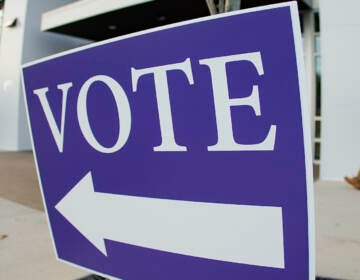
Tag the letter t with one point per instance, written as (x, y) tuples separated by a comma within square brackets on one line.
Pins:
[(163, 100)]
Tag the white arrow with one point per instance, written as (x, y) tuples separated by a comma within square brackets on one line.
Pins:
[(226, 232)]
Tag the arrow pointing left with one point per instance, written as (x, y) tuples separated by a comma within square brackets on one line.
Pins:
[(227, 232)]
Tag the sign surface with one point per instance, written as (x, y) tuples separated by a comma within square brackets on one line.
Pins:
[(180, 152)]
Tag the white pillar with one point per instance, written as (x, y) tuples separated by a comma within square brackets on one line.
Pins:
[(20, 44), (340, 146), (308, 44), (10, 61)]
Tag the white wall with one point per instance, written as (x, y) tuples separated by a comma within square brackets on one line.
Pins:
[(340, 30), (39, 44), (20, 44)]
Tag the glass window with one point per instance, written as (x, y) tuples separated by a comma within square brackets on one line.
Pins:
[(317, 43), (317, 22), (317, 151), (317, 129), (301, 15), (318, 85), (1, 20), (318, 65)]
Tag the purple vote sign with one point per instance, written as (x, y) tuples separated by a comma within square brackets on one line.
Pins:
[(181, 152)]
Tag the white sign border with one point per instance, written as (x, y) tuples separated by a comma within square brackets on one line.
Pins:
[(305, 113)]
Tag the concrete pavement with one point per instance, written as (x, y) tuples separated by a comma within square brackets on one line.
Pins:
[(27, 252), (337, 210)]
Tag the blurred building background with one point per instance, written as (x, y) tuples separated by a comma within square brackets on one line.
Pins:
[(330, 28)]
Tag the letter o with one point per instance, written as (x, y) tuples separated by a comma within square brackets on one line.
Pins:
[(123, 108)]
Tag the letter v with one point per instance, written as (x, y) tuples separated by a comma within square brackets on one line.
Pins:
[(56, 132)]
